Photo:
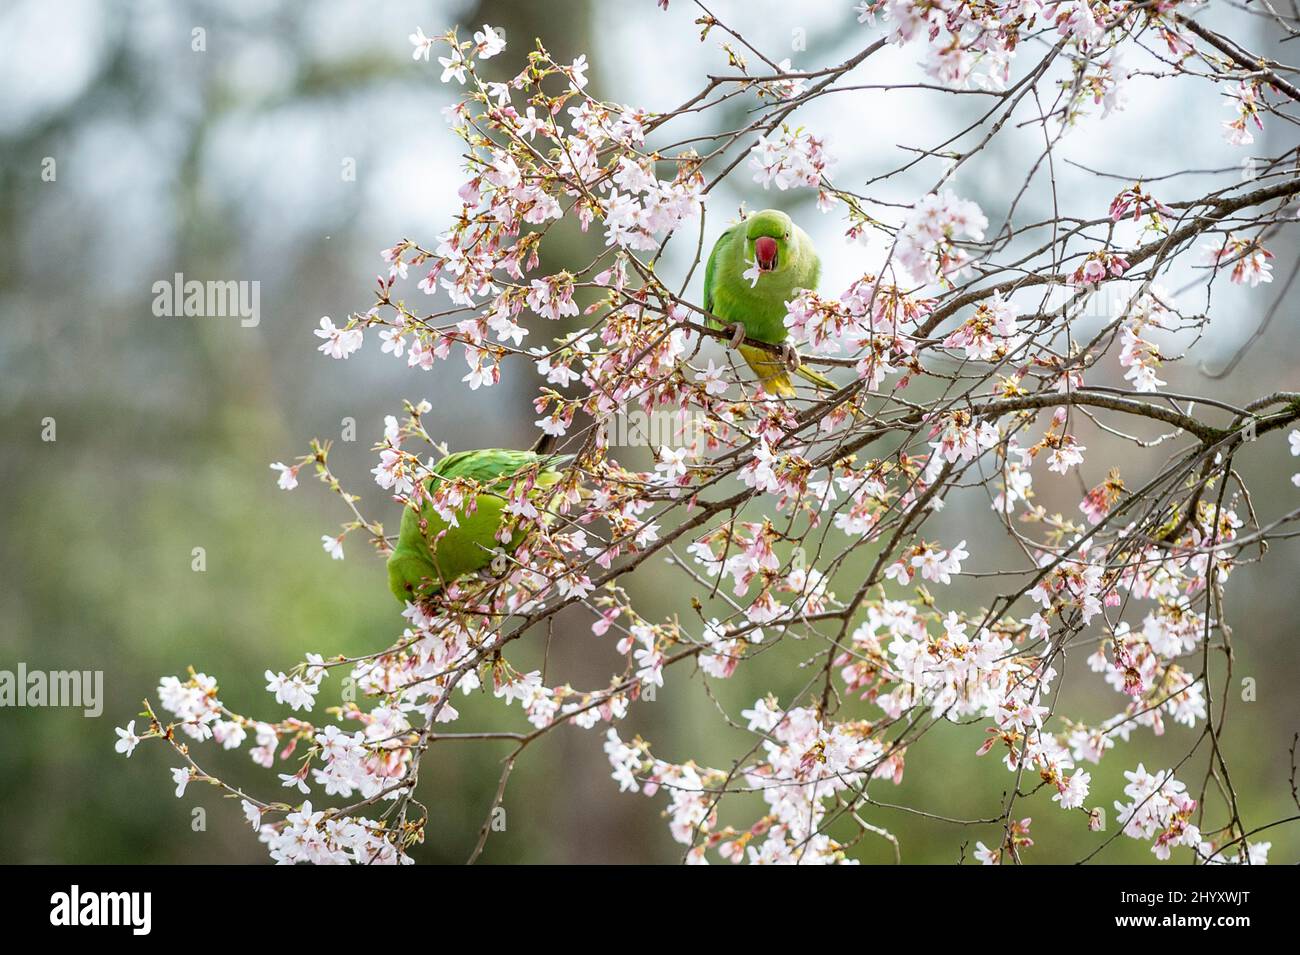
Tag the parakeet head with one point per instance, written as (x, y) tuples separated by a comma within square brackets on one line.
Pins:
[(767, 237)]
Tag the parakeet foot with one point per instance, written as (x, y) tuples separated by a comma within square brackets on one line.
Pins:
[(790, 356), (737, 334)]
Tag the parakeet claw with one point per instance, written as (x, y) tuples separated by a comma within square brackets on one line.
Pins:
[(737, 335), (790, 355)]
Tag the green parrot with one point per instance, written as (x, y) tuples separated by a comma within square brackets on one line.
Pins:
[(786, 260), (422, 562)]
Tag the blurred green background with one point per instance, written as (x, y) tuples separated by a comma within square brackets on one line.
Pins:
[(226, 164)]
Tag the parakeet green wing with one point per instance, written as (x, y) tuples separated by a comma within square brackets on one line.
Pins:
[(710, 267)]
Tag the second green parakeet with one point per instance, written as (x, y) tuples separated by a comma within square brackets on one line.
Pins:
[(779, 258), (425, 558)]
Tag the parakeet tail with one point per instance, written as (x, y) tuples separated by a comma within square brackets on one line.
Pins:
[(776, 377), (817, 378), (770, 370)]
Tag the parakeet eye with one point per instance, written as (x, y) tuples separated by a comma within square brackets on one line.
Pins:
[(787, 235)]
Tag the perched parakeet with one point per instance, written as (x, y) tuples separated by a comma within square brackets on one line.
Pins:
[(786, 260), (423, 561)]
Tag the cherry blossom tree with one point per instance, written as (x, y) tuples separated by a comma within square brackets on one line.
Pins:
[(972, 349)]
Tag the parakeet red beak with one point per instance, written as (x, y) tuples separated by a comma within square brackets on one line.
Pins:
[(765, 253)]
